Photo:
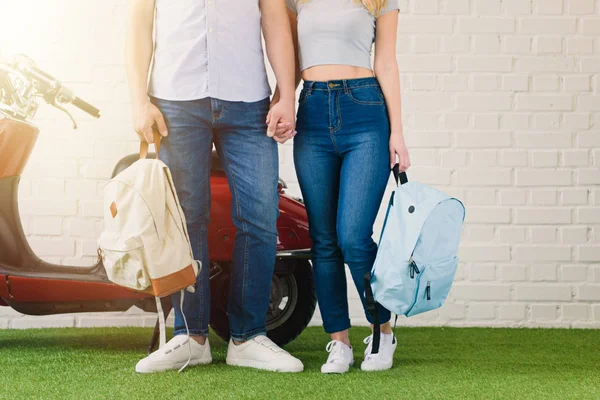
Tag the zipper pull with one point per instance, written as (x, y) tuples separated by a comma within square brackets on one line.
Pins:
[(428, 290), (417, 270), (413, 268)]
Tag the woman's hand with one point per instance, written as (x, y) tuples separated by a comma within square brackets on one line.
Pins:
[(398, 148), (279, 128)]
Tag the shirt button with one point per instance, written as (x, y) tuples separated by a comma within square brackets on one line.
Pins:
[(210, 29)]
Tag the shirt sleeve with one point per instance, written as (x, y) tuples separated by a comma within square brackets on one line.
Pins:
[(390, 6), (291, 4)]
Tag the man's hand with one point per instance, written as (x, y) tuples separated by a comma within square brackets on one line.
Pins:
[(281, 121), (146, 116)]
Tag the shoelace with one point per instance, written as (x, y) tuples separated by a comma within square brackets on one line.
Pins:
[(368, 340), (368, 354), (336, 351)]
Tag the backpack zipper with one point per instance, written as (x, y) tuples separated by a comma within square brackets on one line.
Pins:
[(416, 295), (387, 214), (428, 290)]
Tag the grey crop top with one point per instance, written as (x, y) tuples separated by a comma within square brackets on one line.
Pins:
[(335, 32)]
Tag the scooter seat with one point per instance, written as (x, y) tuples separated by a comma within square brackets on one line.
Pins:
[(125, 162)]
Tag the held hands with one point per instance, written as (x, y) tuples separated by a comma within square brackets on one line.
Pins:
[(281, 120), (146, 118), (398, 148)]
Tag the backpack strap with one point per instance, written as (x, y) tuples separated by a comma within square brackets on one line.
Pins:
[(399, 177), (163, 326), (372, 309), (161, 323), (187, 329), (144, 146)]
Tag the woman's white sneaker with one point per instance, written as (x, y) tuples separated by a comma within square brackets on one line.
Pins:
[(261, 353), (384, 359), (175, 355), (340, 358)]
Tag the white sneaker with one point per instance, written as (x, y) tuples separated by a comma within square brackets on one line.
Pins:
[(340, 358), (384, 359), (261, 353), (175, 355)]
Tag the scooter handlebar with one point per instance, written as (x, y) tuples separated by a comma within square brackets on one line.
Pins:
[(88, 108), (50, 87)]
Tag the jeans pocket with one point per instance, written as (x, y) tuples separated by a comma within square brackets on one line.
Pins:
[(368, 95), (304, 95)]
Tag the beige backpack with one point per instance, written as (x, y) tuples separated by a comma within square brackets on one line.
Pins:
[(145, 244)]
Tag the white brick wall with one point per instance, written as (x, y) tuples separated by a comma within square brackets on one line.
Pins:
[(501, 108)]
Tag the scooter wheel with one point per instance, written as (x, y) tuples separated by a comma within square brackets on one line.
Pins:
[(293, 303)]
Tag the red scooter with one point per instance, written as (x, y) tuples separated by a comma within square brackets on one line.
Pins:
[(35, 287)]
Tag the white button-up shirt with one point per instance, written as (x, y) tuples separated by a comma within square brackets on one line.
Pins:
[(208, 48)]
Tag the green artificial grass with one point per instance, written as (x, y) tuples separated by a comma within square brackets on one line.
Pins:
[(431, 363)]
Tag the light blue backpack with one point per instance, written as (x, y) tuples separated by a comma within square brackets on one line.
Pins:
[(416, 260)]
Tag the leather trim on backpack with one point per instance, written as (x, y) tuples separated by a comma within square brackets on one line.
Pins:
[(113, 209), (172, 283)]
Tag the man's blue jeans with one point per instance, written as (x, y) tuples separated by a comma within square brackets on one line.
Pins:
[(251, 164), (342, 157)]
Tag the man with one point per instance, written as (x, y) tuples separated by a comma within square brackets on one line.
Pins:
[(208, 85)]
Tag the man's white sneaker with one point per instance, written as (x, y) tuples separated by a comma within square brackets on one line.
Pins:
[(384, 359), (340, 358), (175, 355), (261, 353)]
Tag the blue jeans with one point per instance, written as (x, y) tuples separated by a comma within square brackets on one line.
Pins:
[(251, 164), (341, 154)]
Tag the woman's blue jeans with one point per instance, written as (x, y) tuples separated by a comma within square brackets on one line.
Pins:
[(342, 158)]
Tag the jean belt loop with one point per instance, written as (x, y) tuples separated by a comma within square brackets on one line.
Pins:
[(310, 88), (346, 88)]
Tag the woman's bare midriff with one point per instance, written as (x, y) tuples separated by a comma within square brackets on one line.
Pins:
[(335, 72)]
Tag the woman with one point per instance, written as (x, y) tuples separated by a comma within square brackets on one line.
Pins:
[(349, 135)]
